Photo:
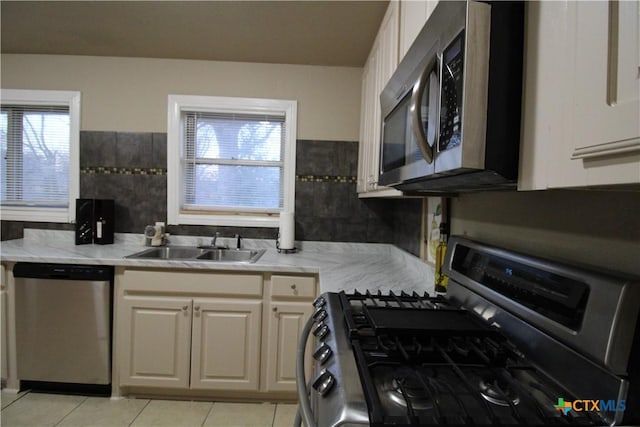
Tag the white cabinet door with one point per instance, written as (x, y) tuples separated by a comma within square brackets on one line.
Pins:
[(380, 65), (156, 341), (286, 321), (581, 104), (369, 125), (226, 344), (388, 46), (413, 16), (607, 78)]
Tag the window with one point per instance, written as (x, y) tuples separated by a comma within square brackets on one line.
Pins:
[(231, 160), (39, 169)]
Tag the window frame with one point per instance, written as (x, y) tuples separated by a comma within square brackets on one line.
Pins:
[(70, 99), (177, 104)]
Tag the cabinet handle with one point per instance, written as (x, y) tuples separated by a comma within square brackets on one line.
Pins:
[(293, 286), (274, 309), (185, 309), (196, 309)]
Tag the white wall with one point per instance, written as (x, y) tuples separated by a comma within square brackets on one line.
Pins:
[(130, 94)]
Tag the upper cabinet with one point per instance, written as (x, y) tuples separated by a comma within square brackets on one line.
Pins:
[(400, 26), (413, 15), (380, 65), (581, 106)]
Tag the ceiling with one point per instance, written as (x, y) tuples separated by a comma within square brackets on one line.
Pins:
[(335, 33)]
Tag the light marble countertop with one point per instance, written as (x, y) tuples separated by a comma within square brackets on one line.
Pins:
[(341, 266)]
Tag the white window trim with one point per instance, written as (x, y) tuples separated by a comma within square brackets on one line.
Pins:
[(50, 97), (179, 103)]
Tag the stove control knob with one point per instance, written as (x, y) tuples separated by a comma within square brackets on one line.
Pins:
[(324, 382), (319, 302), (321, 330), (323, 353), (320, 315)]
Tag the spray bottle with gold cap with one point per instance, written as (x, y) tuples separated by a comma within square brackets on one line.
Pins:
[(441, 280)]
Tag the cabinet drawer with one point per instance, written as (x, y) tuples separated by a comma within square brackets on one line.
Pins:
[(298, 287), (193, 281)]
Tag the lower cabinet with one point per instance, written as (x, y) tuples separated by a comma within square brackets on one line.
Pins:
[(225, 344), (156, 341), (184, 330), (286, 321), (191, 343)]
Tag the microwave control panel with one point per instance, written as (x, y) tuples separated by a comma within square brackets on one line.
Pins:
[(451, 96)]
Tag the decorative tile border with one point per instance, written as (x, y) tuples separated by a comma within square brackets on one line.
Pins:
[(327, 178), (100, 170)]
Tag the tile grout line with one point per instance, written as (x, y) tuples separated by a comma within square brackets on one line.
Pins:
[(141, 411), (275, 411), (14, 401), (71, 411), (208, 414)]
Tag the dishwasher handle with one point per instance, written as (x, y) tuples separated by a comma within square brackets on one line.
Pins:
[(102, 273)]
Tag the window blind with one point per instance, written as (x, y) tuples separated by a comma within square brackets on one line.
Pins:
[(35, 145), (233, 162)]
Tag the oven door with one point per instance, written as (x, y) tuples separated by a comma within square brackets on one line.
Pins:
[(410, 130)]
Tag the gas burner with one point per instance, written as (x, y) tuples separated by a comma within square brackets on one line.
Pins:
[(403, 389), (498, 393)]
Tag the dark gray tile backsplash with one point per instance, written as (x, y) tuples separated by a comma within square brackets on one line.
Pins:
[(98, 149), (326, 158), (159, 149), (131, 169), (135, 150)]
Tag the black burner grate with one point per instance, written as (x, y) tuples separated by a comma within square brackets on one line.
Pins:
[(440, 371)]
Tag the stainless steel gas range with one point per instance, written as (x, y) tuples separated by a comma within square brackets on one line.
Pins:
[(517, 340)]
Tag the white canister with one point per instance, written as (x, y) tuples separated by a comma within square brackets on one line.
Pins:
[(287, 230)]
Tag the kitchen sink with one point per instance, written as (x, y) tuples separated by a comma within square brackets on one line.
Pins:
[(168, 252), (232, 255), (199, 254)]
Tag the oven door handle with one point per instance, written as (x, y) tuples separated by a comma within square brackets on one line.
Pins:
[(304, 406), (430, 78)]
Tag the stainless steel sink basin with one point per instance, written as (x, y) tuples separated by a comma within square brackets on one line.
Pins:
[(232, 255), (195, 253), (168, 252)]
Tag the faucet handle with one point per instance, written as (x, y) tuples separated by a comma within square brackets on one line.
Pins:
[(215, 244), (214, 240)]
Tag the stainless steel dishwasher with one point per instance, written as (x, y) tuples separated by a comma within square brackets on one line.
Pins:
[(63, 323)]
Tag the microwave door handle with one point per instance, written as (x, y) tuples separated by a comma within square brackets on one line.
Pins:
[(416, 114), (433, 117), (436, 89)]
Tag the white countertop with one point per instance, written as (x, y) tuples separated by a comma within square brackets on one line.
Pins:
[(341, 266)]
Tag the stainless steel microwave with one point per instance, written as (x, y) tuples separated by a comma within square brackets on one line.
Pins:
[(451, 111)]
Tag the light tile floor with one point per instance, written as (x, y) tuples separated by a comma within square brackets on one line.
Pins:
[(40, 410)]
